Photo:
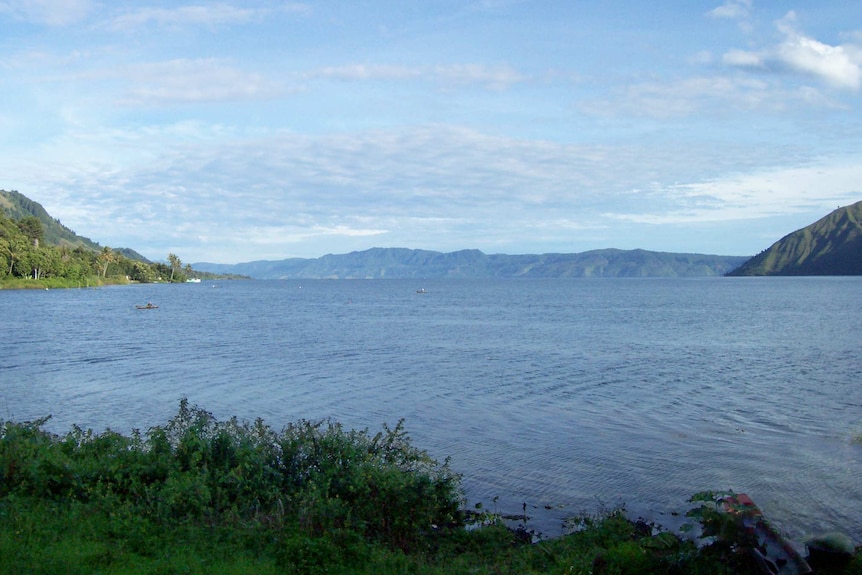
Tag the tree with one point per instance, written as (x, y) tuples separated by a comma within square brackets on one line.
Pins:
[(4, 255), (106, 257), (31, 227), (53, 263), (36, 261), (16, 250), (142, 272), (43, 262), (176, 264)]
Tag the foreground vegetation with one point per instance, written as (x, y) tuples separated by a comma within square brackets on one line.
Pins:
[(202, 496)]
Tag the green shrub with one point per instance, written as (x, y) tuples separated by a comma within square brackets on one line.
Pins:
[(202, 496), (381, 485), (31, 462), (337, 551), (196, 468)]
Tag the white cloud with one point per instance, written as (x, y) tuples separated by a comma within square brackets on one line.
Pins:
[(732, 9), (838, 66), (701, 58), (365, 72), (48, 12), (759, 194), (192, 80), (737, 10), (437, 186), (744, 59), (210, 15), (457, 75), (435, 179), (434, 187), (688, 97), (216, 14), (493, 77), (835, 64)]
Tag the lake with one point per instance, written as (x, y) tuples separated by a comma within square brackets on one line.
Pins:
[(568, 396)]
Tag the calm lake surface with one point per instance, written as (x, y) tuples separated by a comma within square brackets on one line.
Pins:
[(566, 395)]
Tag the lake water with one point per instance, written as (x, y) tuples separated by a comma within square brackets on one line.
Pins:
[(566, 395)]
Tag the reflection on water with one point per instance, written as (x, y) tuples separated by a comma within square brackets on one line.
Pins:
[(565, 394)]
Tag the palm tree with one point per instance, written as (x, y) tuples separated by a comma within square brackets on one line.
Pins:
[(105, 258), (175, 264), (16, 251)]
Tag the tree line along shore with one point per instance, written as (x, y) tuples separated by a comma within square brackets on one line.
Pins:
[(27, 260)]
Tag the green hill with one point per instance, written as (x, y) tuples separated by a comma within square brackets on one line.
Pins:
[(16, 206), (829, 246), (38, 251)]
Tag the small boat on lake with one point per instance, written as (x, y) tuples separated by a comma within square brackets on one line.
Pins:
[(148, 306), (422, 290)]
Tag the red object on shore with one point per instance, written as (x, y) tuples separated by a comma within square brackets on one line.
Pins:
[(778, 556), (742, 505)]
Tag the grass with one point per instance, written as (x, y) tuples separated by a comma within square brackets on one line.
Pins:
[(199, 496), (60, 282)]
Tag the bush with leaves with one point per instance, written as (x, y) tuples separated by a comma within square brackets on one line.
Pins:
[(316, 475), (379, 485)]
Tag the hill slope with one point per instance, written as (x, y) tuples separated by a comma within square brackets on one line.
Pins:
[(829, 246), (17, 206), (378, 263)]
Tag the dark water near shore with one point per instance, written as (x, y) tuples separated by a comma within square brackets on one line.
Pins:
[(566, 394)]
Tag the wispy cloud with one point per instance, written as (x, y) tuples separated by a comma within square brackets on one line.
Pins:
[(139, 84), (736, 10), (494, 77), (839, 66), (439, 187), (758, 194), (732, 9), (48, 12), (211, 15), (448, 76), (716, 95), (366, 72), (192, 80)]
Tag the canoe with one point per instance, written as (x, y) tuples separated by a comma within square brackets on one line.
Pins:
[(148, 306), (777, 555)]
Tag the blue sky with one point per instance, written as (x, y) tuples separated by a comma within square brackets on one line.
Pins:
[(240, 130)]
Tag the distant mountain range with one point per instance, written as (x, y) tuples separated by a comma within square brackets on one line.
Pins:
[(829, 246), (378, 263)]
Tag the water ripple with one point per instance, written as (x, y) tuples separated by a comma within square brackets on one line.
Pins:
[(561, 395)]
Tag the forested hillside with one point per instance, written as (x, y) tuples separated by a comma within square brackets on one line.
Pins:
[(829, 246), (34, 246), (17, 206)]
